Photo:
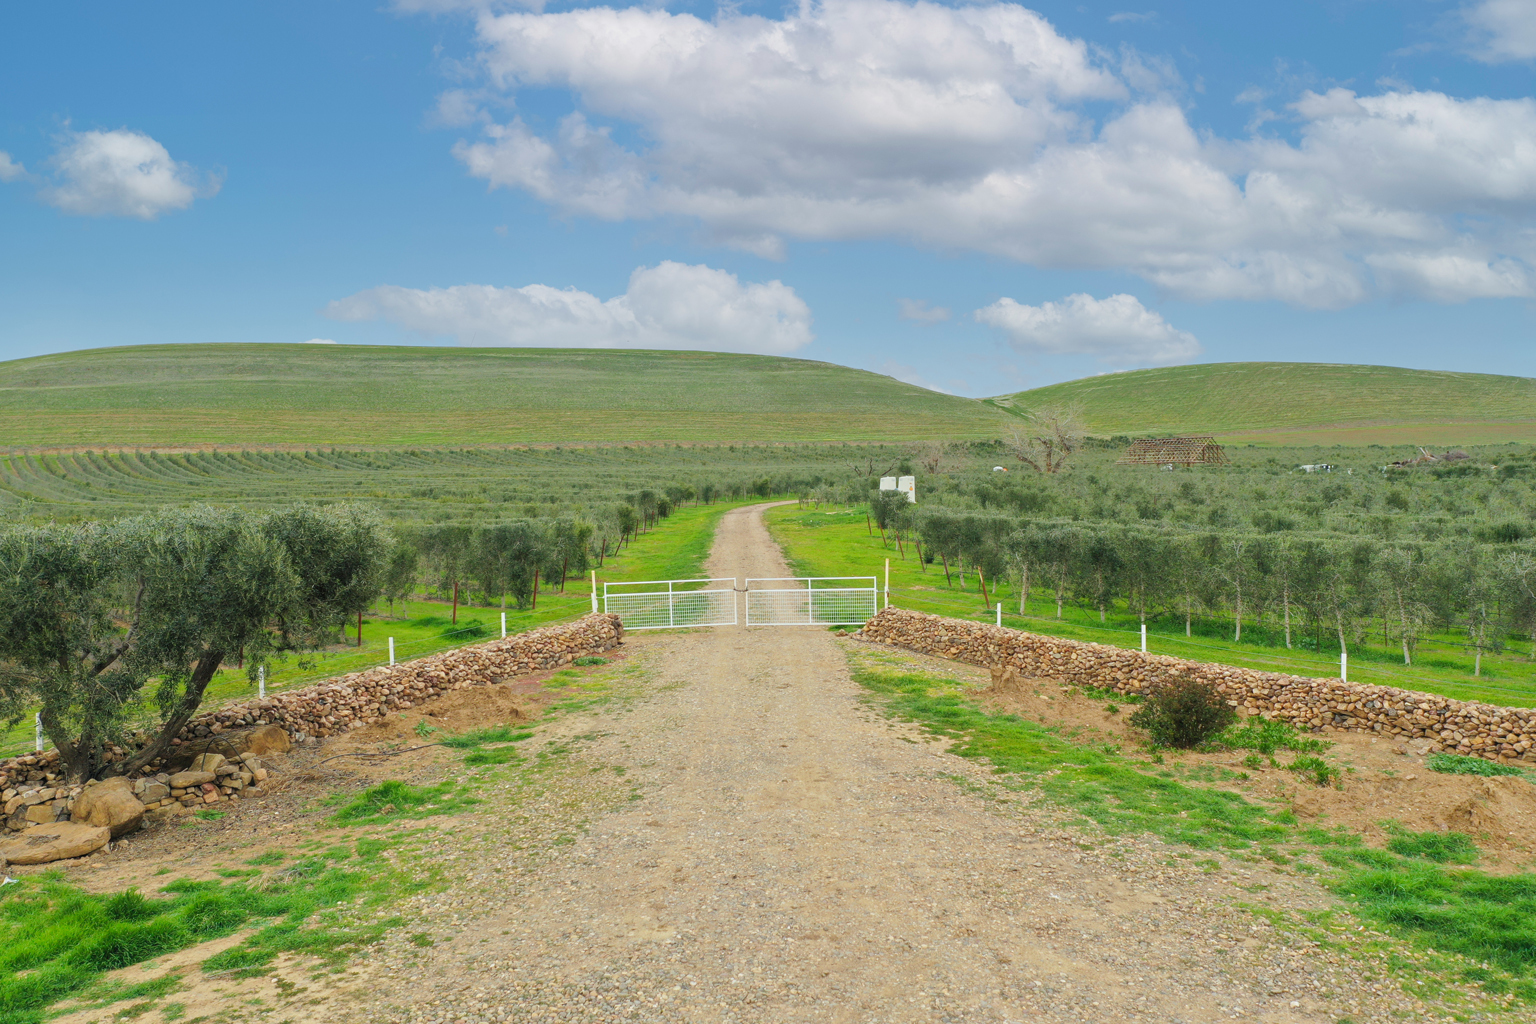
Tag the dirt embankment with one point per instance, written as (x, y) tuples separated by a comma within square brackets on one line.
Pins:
[(1385, 783)]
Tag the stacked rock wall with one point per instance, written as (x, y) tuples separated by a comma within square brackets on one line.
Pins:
[(354, 700), (1462, 727), (34, 792)]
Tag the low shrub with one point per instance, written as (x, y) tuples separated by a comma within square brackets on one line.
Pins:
[(1183, 714)]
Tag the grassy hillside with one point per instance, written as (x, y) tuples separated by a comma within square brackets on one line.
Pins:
[(1301, 404), (396, 396)]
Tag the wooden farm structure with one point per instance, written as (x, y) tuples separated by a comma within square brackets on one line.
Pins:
[(1175, 451)]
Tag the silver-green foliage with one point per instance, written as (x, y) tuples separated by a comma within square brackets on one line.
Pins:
[(99, 622)]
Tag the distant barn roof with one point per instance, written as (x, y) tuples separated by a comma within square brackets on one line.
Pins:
[(1181, 451)]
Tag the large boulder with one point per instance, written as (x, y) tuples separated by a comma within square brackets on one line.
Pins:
[(260, 740), (43, 844), (109, 804)]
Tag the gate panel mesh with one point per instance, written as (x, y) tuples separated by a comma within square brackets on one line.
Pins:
[(811, 602), (707, 603)]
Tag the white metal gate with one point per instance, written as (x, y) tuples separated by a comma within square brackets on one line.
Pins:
[(672, 604), (812, 601)]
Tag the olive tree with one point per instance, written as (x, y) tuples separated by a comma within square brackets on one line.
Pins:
[(99, 623)]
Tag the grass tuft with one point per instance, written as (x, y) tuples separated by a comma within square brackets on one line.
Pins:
[(1460, 764), (393, 800)]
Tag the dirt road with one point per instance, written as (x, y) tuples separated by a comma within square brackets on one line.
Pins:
[(793, 856)]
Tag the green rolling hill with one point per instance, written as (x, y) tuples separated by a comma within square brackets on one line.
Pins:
[(1299, 404), (354, 396), (397, 396)]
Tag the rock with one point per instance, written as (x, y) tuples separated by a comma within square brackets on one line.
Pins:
[(155, 792), (44, 844), (230, 745), (41, 814), (109, 804), (186, 780), (207, 763)]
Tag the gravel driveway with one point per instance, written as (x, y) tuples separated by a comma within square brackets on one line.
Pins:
[(794, 856)]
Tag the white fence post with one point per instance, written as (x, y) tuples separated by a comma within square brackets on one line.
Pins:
[(999, 615), (1343, 666), (594, 591), (671, 606), (503, 625), (261, 679), (887, 582), (1143, 638), (391, 650), (39, 723)]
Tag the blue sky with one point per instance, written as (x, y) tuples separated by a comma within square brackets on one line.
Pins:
[(980, 198)]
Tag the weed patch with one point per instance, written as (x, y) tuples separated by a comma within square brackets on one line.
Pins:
[(1315, 770), (391, 801), (1460, 764), (1266, 736)]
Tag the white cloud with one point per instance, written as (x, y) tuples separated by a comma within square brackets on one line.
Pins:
[(320, 341), (919, 310), (10, 170), (1117, 331), (121, 173), (671, 305), (1132, 16), (979, 128), (1501, 30)]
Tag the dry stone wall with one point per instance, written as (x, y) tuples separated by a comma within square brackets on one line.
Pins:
[(34, 792), (1461, 727)]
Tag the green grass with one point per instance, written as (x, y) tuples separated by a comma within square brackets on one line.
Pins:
[(1300, 403), (1459, 764), (1440, 847), (397, 801), (836, 542), (488, 746), (1484, 918), (399, 396), (57, 940)]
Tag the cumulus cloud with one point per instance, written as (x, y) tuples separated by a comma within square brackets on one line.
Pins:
[(1501, 30), (321, 341), (919, 310), (671, 305), (121, 173), (982, 128), (1117, 331), (10, 170)]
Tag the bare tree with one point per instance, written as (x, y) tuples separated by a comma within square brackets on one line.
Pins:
[(1046, 438), (933, 457)]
